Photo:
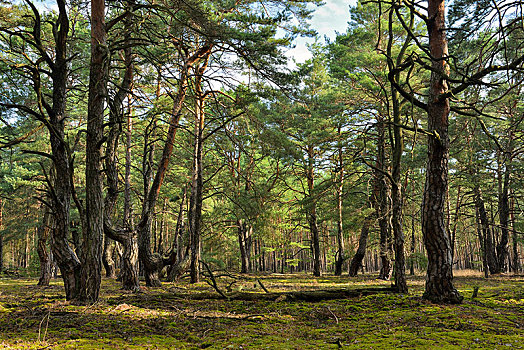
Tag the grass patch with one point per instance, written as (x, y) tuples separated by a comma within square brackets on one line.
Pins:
[(186, 317)]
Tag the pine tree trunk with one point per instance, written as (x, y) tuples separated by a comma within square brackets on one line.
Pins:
[(312, 213), (504, 213), (439, 282), (382, 203), (244, 261), (487, 235), (44, 255), (107, 258), (1, 235), (91, 270), (340, 257), (356, 262), (195, 199), (63, 254)]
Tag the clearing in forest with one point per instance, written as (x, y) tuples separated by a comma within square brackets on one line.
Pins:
[(184, 316)]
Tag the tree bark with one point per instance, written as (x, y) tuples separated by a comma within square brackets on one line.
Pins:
[(63, 254), (44, 255), (124, 235), (312, 213), (439, 282), (1, 235), (382, 204), (195, 199), (487, 235), (92, 240), (504, 212), (356, 262), (154, 263), (107, 258), (340, 257), (242, 240)]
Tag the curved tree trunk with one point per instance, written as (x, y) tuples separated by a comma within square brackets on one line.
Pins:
[(65, 257), (356, 262), (439, 282), (125, 236), (107, 258)]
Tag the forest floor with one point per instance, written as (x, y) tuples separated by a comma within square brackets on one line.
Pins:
[(183, 316)]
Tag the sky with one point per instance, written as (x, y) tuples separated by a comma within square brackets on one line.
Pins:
[(328, 19)]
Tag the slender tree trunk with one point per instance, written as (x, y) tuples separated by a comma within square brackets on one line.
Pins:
[(1, 235), (356, 262), (244, 261), (153, 264), (487, 235), (382, 204), (340, 257), (482, 242), (515, 240), (312, 214), (504, 213), (44, 255), (439, 282), (195, 199)]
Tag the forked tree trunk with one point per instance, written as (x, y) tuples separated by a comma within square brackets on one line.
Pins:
[(65, 257), (439, 282), (124, 235)]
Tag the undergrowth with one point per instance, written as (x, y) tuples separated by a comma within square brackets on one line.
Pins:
[(184, 316)]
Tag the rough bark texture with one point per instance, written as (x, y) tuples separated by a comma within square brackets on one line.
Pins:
[(356, 262), (487, 234), (44, 256), (382, 205), (312, 212), (153, 263), (107, 258), (242, 242), (516, 260), (92, 240), (504, 213), (195, 199), (124, 235), (398, 200), (63, 254), (1, 235), (439, 282), (340, 257)]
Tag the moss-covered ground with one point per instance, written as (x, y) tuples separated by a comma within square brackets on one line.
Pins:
[(183, 316)]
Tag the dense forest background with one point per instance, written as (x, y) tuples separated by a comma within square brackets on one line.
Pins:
[(159, 137)]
